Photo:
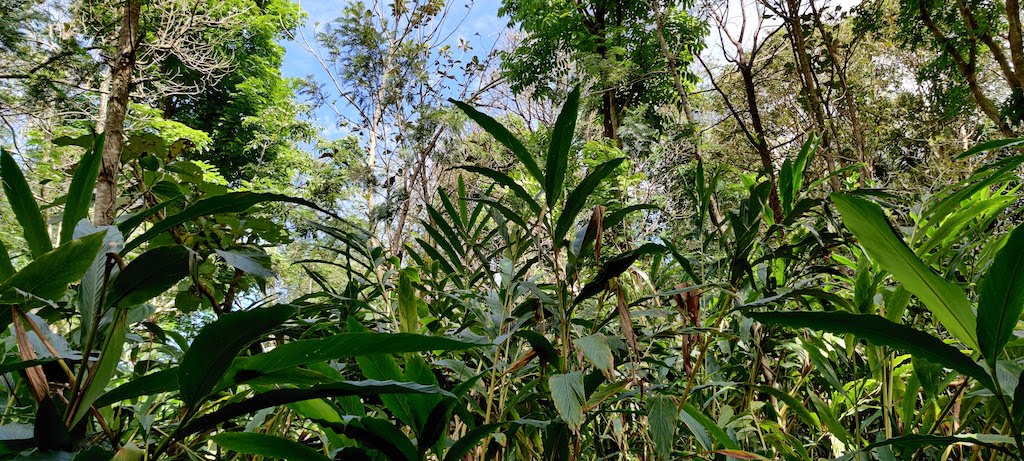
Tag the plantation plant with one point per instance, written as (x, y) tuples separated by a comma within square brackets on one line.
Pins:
[(528, 318)]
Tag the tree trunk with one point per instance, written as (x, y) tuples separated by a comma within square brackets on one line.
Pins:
[(760, 138), (116, 109), (714, 210), (810, 86)]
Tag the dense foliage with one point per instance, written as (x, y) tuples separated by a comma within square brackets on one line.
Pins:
[(644, 230)]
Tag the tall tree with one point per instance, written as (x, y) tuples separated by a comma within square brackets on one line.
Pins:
[(607, 42)]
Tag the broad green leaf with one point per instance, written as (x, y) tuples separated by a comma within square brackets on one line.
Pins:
[(234, 202), (100, 374), (504, 180), (150, 274), (408, 306), (828, 417), (930, 375), (614, 267), (91, 284), (380, 435), (1001, 296), (946, 300), (616, 217), (23, 364), (136, 219), (154, 383), (705, 429), (267, 446), (254, 262), (340, 346), (567, 393), (80, 190), (48, 276), (792, 403), (24, 206), (577, 199), (470, 440), (6, 267), (558, 151), (662, 415), (504, 136), (278, 397), (883, 333), (992, 145), (217, 344), (595, 348)]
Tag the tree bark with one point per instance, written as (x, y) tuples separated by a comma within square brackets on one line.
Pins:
[(810, 86), (760, 137), (714, 210), (116, 109)]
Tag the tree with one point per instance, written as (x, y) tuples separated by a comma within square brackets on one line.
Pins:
[(979, 48), (392, 67), (607, 42)]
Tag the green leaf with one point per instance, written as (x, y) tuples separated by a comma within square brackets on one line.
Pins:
[(558, 150), (595, 348), (24, 206), (1001, 296), (234, 202), (801, 411), (136, 219), (154, 383), (217, 344), (21, 365), (48, 276), (380, 435), (706, 431), (340, 346), (254, 262), (504, 180), (408, 303), (504, 136), (881, 332), (578, 197), (279, 397), (914, 442), (567, 393), (946, 300), (267, 446), (662, 415), (80, 190), (6, 268), (614, 267), (613, 218), (149, 275), (470, 440), (104, 370), (992, 145), (92, 284)]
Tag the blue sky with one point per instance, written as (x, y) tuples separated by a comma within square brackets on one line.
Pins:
[(481, 28)]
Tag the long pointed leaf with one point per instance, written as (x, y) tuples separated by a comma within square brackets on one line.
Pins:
[(234, 202), (24, 205), (80, 190), (946, 300), (1001, 296), (577, 199), (504, 136), (104, 370), (558, 150), (881, 332), (505, 180), (217, 344)]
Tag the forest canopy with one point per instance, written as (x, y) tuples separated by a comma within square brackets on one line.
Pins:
[(446, 230)]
